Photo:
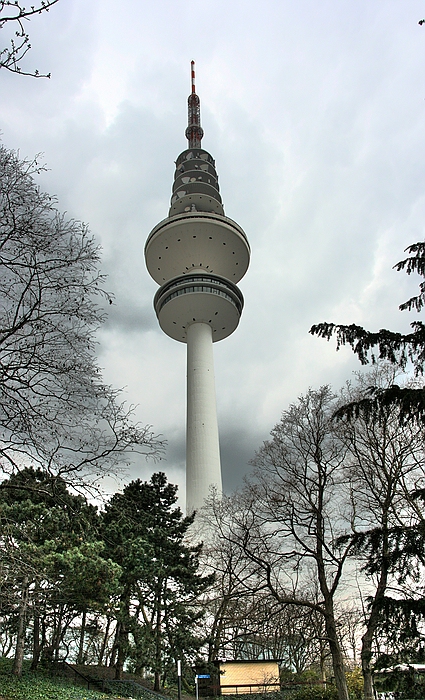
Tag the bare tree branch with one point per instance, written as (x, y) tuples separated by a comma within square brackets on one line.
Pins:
[(13, 14)]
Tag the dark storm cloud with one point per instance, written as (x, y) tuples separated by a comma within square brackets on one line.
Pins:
[(237, 447)]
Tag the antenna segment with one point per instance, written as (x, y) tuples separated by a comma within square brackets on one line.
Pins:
[(194, 131), (192, 64)]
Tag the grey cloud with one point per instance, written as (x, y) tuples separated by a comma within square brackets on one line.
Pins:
[(317, 132), (237, 446), (125, 317)]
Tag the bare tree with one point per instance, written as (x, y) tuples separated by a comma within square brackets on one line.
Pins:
[(245, 623), (229, 597), (14, 15), (385, 463), (55, 411), (288, 519), (351, 627)]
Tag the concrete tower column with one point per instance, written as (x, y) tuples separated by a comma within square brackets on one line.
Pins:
[(203, 468)]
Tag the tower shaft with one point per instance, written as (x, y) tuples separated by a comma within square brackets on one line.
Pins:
[(203, 469)]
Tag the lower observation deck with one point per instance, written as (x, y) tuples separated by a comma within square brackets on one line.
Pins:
[(198, 298)]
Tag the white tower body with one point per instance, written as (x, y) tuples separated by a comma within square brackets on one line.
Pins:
[(198, 255), (203, 468)]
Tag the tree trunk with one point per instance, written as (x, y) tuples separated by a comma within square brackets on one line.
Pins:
[(158, 640), (36, 642), (328, 597), (335, 649), (217, 630), (22, 628), (330, 628), (7, 646), (366, 651), (104, 643), (36, 645), (112, 658), (322, 662), (121, 656), (122, 635), (368, 691), (374, 617), (80, 657), (57, 635)]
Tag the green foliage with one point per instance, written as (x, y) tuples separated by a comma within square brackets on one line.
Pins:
[(144, 533), (377, 403), (404, 550), (396, 348), (128, 689), (51, 559), (390, 551), (313, 692), (34, 686), (407, 684), (307, 676), (56, 534), (355, 683)]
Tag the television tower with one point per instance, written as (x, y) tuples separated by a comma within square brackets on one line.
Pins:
[(198, 255)]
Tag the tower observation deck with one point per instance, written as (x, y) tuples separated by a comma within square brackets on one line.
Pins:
[(198, 255)]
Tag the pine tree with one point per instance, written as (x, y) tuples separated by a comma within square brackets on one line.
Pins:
[(145, 534), (51, 560), (396, 348)]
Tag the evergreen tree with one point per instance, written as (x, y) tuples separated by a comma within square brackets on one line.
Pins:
[(145, 534), (398, 549), (396, 348), (51, 560)]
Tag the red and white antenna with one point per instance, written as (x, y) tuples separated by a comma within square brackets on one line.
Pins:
[(194, 131), (192, 64)]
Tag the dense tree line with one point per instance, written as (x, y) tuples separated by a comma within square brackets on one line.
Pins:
[(114, 587), (337, 496), (319, 558), (325, 541)]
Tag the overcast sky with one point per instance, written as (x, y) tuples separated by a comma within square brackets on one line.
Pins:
[(315, 115)]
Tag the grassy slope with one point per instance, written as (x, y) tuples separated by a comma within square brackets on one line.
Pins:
[(36, 686)]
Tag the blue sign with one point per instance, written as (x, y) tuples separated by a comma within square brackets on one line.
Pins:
[(204, 675)]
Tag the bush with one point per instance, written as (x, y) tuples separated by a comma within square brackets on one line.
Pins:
[(355, 683)]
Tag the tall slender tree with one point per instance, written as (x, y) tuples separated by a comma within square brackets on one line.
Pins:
[(385, 460), (286, 521)]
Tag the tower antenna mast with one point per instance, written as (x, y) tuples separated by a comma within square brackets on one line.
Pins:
[(194, 131)]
